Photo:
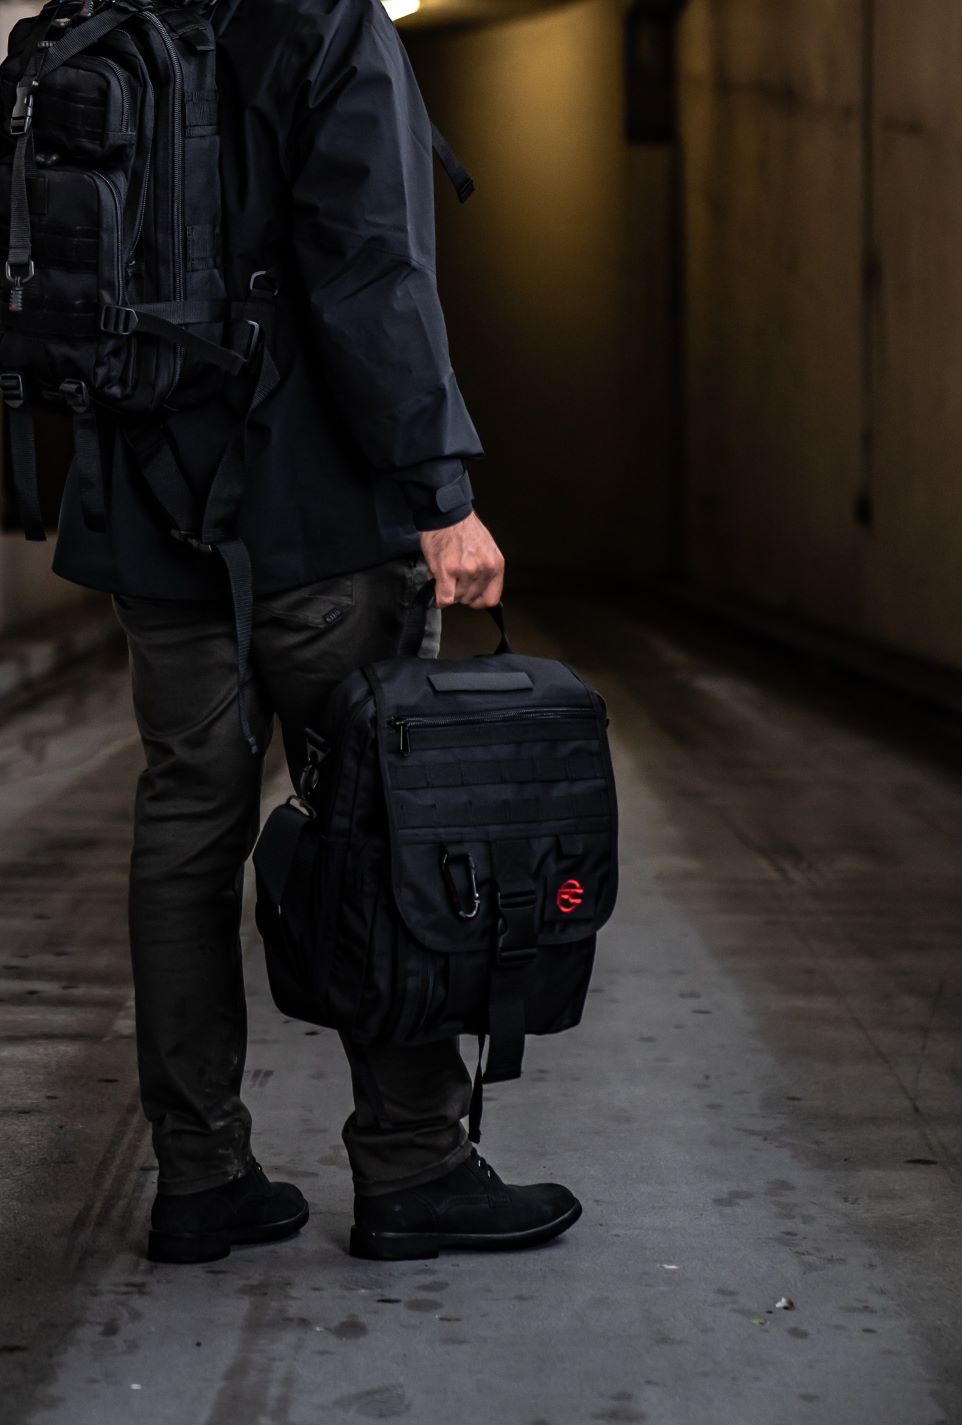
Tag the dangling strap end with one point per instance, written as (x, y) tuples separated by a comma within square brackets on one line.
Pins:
[(477, 1098)]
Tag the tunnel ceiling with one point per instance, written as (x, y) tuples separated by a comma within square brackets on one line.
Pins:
[(434, 13)]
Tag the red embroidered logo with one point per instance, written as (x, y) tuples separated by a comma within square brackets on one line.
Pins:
[(570, 895)]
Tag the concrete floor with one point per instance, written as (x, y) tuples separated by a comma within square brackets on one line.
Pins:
[(763, 1101)]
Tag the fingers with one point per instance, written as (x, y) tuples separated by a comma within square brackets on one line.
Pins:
[(488, 593), (445, 586), (466, 564)]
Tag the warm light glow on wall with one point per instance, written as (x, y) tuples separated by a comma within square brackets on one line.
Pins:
[(397, 9)]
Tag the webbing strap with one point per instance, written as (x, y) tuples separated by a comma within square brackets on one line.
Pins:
[(506, 1024), (87, 469), (216, 528), (515, 949), (237, 559), (488, 771), (192, 309), (169, 487), (162, 475), (18, 249), (498, 811), (168, 484), (476, 1108), (227, 486), (23, 469), (456, 171), (82, 36), (170, 322)]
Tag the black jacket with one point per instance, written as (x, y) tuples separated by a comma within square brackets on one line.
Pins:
[(328, 183)]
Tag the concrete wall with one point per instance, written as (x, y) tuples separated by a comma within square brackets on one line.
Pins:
[(554, 279), (824, 331), (27, 587)]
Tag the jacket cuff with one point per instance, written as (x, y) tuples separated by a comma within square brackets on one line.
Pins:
[(438, 493)]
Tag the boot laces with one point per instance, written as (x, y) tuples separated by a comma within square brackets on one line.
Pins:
[(482, 1163)]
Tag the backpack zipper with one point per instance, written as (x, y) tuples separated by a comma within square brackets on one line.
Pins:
[(404, 724), (138, 220), (121, 78), (93, 62), (108, 183)]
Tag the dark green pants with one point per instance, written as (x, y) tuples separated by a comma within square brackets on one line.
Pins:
[(197, 817)]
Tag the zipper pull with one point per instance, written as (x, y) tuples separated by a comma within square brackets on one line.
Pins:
[(403, 743)]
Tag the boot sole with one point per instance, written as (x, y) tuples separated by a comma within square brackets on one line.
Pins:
[(411, 1246), (190, 1248)]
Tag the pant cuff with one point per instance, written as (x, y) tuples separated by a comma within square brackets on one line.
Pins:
[(181, 1187), (378, 1188)]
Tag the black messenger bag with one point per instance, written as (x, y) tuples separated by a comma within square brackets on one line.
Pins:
[(449, 859)]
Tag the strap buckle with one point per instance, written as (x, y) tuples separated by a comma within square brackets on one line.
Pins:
[(18, 272), (473, 893), (519, 955), (516, 917), (317, 749), (21, 116), (261, 289), (299, 804), (184, 536), (253, 336), (118, 321), (11, 389), (76, 395)]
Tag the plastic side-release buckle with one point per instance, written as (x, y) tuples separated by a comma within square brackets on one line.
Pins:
[(520, 955), (21, 116), (11, 389), (516, 916)]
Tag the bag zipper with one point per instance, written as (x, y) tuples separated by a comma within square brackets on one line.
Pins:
[(404, 724)]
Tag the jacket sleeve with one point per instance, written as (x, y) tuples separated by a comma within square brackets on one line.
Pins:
[(362, 183)]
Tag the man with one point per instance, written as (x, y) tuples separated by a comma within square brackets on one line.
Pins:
[(357, 494)]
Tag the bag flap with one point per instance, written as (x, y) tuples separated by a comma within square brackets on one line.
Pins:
[(475, 776)]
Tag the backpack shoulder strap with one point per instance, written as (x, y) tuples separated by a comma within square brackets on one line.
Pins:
[(214, 527), (460, 178)]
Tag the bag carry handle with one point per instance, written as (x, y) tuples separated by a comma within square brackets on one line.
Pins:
[(425, 595)]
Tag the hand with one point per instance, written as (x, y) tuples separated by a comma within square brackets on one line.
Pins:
[(466, 564)]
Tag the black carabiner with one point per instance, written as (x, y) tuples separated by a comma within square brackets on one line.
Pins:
[(452, 886)]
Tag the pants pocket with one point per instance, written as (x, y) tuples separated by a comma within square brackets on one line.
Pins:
[(319, 605)]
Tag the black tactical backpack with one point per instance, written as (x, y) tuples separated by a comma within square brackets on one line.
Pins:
[(116, 302), (450, 857)]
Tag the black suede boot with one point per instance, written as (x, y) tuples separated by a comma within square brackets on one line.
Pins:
[(469, 1208), (203, 1226)]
